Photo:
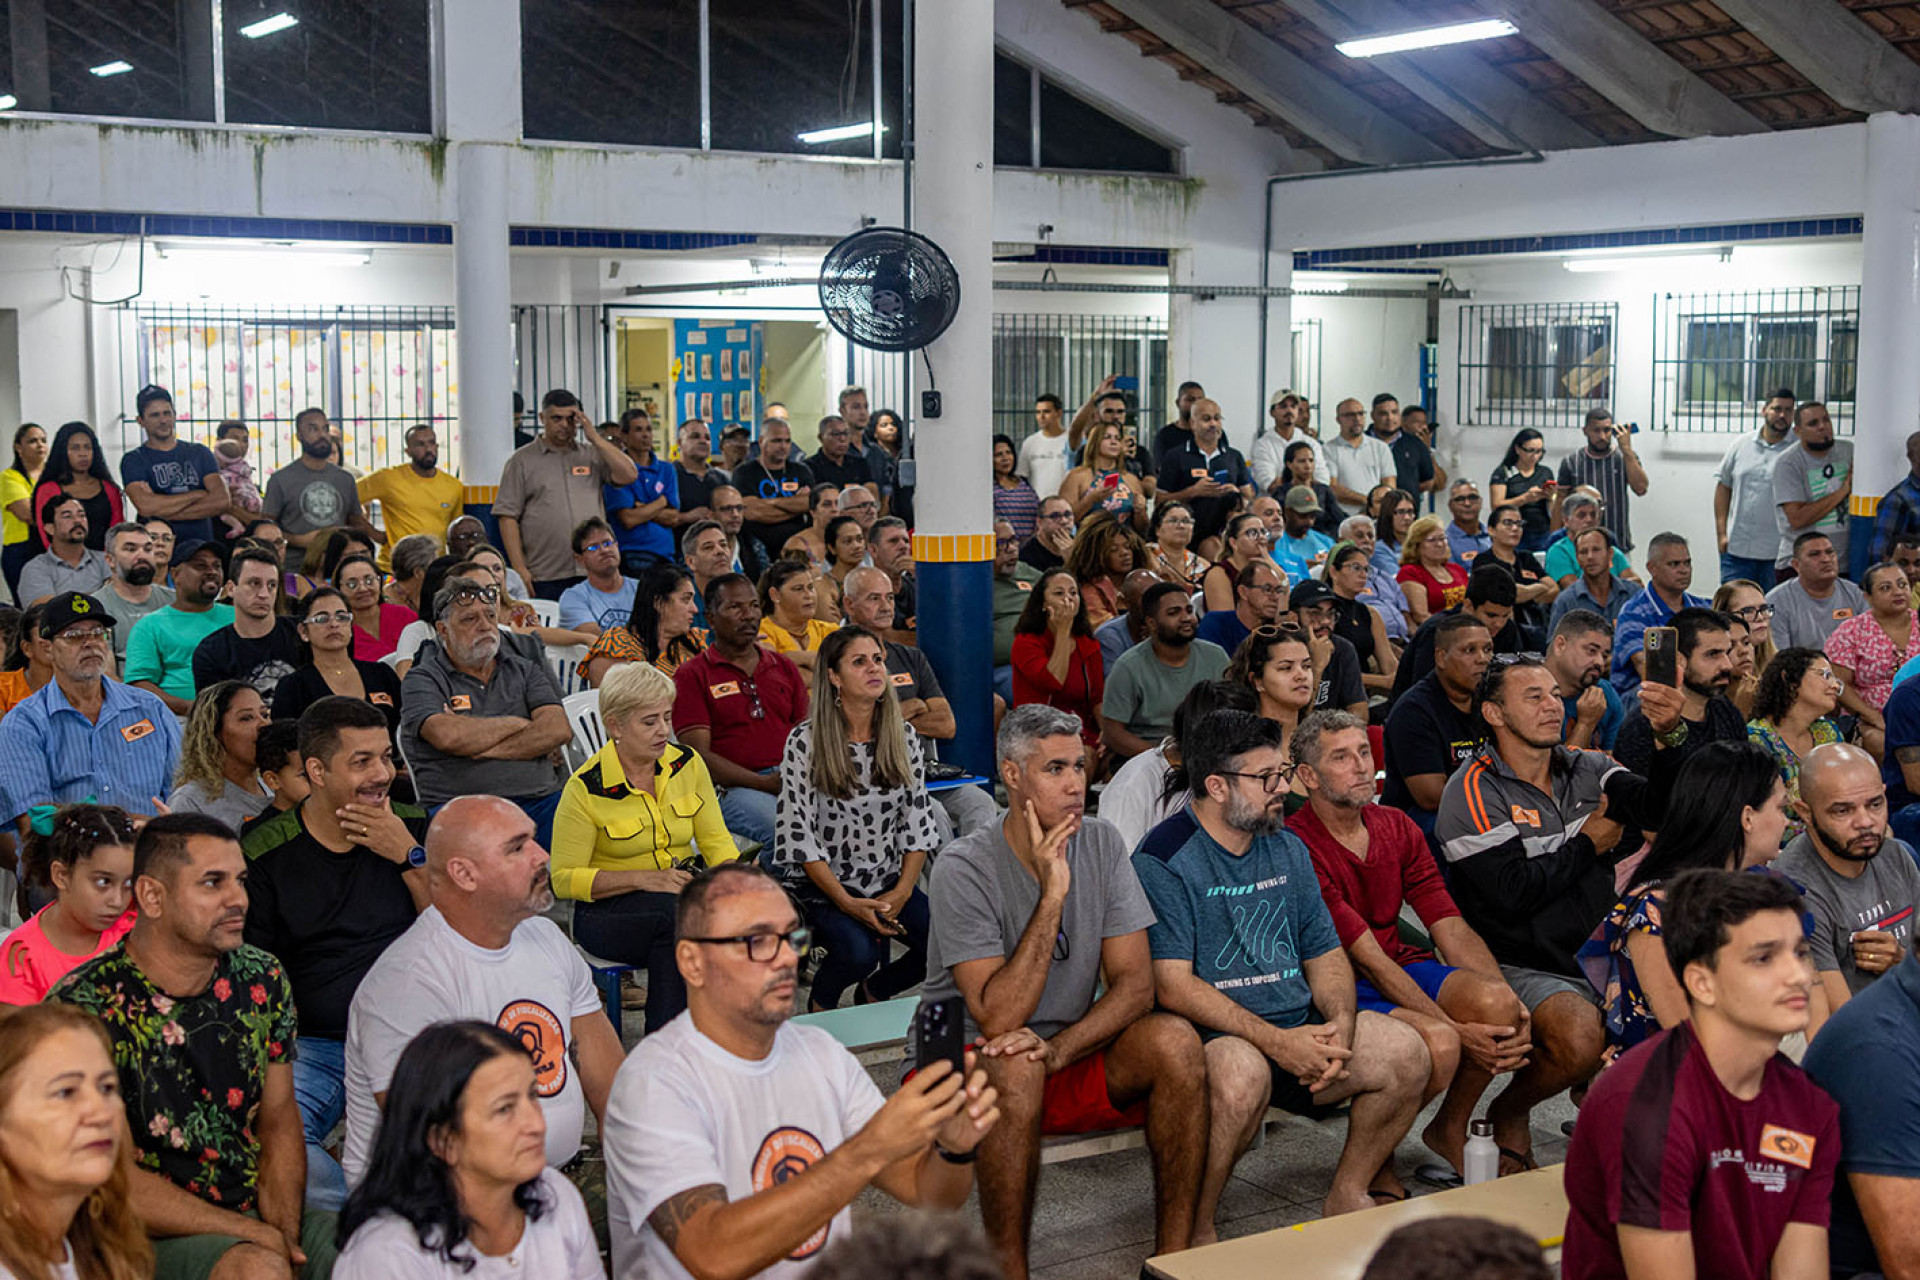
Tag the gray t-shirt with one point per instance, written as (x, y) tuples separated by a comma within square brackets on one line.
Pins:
[(1800, 476), (1883, 897), (519, 687), (1143, 692), (126, 612), (48, 575), (1799, 619), (302, 500), (983, 898), (233, 806)]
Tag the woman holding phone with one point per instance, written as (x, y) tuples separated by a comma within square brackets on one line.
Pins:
[(1105, 482)]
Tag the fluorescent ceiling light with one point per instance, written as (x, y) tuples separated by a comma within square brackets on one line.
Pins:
[(256, 257), (1319, 286), (268, 26), (1593, 265), (1428, 38), (114, 68), (840, 133), (8, 102)]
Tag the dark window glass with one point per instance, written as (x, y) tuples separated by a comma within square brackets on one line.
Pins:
[(349, 64), (786, 67), (1077, 135), (1012, 113), (53, 48), (613, 71)]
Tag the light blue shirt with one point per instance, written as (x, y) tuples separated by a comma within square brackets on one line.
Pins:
[(1643, 610), (1465, 546), (584, 602), (1385, 597), (52, 754), (1297, 556)]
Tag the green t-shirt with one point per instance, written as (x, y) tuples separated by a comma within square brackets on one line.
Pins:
[(160, 647), (1560, 561), (1143, 692), (1010, 597)]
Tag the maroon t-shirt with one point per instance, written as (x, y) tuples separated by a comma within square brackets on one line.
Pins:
[(1365, 897), (1661, 1144), (748, 715)]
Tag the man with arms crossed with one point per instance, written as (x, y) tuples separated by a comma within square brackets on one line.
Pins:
[(1244, 948), (736, 1141), (1028, 915), (1703, 1151)]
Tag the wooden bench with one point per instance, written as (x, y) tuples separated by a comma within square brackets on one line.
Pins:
[(1338, 1248)]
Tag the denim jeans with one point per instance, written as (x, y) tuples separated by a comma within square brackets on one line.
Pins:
[(320, 1089), (637, 929), (1760, 571), (855, 952), (750, 813)]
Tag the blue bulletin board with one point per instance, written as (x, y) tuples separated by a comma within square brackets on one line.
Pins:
[(718, 378)]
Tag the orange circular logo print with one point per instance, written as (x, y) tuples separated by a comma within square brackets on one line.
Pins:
[(786, 1153), (533, 1025)]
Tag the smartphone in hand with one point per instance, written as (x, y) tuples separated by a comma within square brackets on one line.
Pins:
[(941, 1027), (1663, 656)]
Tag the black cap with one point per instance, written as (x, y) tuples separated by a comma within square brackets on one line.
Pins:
[(61, 612), (188, 548), (1309, 593)]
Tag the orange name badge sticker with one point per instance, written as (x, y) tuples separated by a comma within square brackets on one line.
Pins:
[(460, 702), (902, 677), (1198, 473), (380, 699), (137, 730), (789, 486), (1787, 1146), (726, 689), (1842, 614), (1525, 817), (583, 471), (1022, 585)]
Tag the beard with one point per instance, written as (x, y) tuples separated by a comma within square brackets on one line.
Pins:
[(1821, 447), (321, 448), (139, 576), (426, 462), (1174, 639), (1839, 846), (1710, 688), (1254, 819)]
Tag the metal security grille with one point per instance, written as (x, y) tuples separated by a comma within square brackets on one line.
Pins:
[(1069, 356), (885, 376), (562, 345), (375, 370), (1306, 364), (1535, 364), (1718, 357)]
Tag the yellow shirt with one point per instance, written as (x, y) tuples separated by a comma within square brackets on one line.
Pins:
[(780, 640), (14, 487), (601, 824), (411, 503)]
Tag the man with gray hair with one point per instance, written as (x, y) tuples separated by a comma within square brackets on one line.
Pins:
[(857, 500), (1670, 568), (477, 717), (837, 462), (1027, 915), (1580, 511), (1383, 594)]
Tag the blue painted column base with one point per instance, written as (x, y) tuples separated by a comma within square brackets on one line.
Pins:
[(954, 603)]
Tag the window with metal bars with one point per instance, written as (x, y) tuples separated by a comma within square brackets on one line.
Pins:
[(1306, 363), (1535, 364), (1718, 357), (1069, 356)]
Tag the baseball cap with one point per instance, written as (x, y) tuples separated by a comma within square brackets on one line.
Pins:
[(188, 548), (1309, 593), (68, 608), (1283, 394), (1300, 498)]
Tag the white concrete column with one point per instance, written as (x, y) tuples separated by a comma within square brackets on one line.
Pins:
[(1887, 404), (482, 316), (953, 498)]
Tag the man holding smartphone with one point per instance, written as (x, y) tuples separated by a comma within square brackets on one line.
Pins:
[(1610, 466), (549, 487)]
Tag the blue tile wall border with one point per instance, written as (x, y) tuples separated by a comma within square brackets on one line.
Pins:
[(1799, 229)]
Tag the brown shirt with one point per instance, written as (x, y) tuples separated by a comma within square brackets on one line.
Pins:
[(549, 491)]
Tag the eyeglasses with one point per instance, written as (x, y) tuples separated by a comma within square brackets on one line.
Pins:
[(359, 584), (468, 595), (754, 709), (607, 544), (83, 635), (762, 948), (1062, 949), (1056, 515), (1753, 612), (1267, 588), (1271, 782), (340, 616)]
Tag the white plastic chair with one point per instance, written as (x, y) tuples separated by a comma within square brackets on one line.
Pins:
[(564, 662), (589, 733), (548, 611)]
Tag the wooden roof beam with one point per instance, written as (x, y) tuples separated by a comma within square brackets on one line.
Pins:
[(1843, 56)]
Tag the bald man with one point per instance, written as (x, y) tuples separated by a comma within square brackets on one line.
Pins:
[(1208, 475), (481, 949), (1861, 883), (1356, 461)]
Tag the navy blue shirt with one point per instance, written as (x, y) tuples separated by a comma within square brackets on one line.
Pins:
[(181, 469), (653, 482), (1902, 714), (1222, 627)]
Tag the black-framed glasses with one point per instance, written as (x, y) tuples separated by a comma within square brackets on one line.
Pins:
[(1271, 782), (468, 595), (763, 948), (1753, 612)]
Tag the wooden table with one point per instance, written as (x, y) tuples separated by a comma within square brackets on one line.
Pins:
[(1338, 1248)]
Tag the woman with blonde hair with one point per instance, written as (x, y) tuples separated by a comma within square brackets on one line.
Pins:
[(1100, 557), (66, 1158), (1432, 581), (854, 825), (1105, 482), (217, 774), (625, 829)]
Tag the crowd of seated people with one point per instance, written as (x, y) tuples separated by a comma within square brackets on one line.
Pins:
[(313, 894)]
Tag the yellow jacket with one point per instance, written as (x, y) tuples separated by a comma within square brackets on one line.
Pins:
[(602, 824)]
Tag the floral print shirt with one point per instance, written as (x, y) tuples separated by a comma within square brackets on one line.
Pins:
[(1862, 645), (193, 1068)]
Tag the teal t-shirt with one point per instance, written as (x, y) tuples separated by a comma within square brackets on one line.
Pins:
[(1560, 560), (161, 647)]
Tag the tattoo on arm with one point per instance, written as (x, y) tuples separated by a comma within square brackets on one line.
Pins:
[(676, 1212)]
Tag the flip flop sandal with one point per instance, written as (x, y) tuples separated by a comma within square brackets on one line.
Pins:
[(1388, 1197), (1522, 1158), (1438, 1175)]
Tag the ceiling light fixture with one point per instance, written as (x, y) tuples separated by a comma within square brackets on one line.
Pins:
[(840, 133), (268, 26), (114, 68), (8, 102), (1428, 38), (1593, 266)]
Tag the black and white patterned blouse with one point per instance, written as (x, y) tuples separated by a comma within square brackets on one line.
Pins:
[(863, 840)]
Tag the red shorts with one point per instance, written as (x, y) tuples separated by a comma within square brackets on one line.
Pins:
[(1076, 1100)]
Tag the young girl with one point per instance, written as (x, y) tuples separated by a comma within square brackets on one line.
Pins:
[(84, 852)]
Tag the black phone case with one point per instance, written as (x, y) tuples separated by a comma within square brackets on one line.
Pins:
[(941, 1028)]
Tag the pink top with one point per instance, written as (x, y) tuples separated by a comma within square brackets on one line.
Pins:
[(30, 965), (393, 620), (1862, 647)]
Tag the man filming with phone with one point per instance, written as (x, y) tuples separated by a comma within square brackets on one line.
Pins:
[(736, 1141), (1612, 468), (549, 487), (1695, 655)]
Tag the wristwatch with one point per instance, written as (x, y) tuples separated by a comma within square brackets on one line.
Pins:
[(1672, 737), (416, 857)]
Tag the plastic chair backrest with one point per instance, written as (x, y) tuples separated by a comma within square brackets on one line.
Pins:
[(548, 611), (589, 733)]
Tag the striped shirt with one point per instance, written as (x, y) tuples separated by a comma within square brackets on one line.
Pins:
[(51, 753), (1608, 476)]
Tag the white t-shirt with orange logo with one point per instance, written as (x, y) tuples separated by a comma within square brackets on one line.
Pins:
[(685, 1113), (532, 988)]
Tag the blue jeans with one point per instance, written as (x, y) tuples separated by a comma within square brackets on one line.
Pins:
[(1905, 825), (540, 809), (855, 952), (1760, 571), (320, 1089), (750, 813), (1003, 684)]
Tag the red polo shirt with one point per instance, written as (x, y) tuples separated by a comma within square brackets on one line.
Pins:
[(748, 715)]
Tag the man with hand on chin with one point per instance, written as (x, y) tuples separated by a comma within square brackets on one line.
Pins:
[(736, 1141)]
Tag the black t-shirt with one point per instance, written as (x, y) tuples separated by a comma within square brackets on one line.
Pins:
[(852, 469), (753, 480), (695, 492), (911, 673), (1425, 733), (1417, 659), (326, 915), (1340, 685), (1526, 571), (305, 686), (262, 663), (1181, 468), (1535, 517), (1412, 460), (1353, 622), (1633, 745), (1036, 553)]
